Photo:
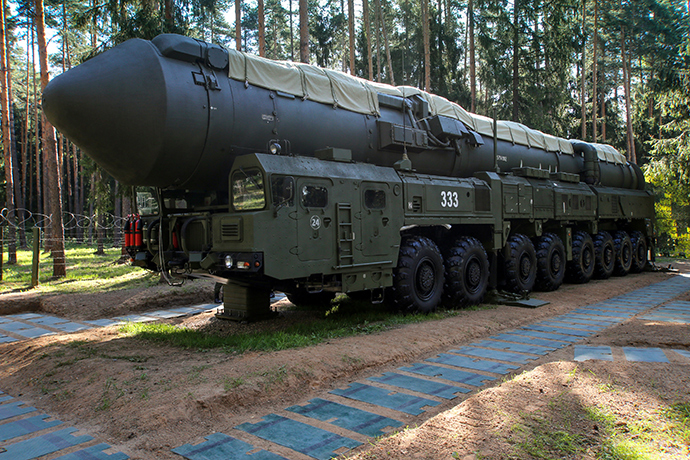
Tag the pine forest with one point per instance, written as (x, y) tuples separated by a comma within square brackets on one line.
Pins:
[(608, 71)]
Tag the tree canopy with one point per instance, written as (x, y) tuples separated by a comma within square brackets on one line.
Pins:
[(613, 71)]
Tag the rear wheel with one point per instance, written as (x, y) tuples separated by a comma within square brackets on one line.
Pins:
[(520, 264), (624, 253), (605, 255), (581, 268), (639, 244), (550, 262), (466, 273), (418, 278)]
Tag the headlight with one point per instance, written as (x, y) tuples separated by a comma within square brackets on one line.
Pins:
[(228, 261)]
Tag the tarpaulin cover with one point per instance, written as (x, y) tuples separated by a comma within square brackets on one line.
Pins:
[(358, 95)]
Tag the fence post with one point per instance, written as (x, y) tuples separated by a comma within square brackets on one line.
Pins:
[(36, 256)]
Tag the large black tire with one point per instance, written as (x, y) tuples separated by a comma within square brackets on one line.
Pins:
[(624, 253), (581, 269), (639, 244), (550, 262), (605, 254), (418, 278), (466, 273), (520, 264), (304, 298)]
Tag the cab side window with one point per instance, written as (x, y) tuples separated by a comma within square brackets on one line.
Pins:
[(375, 199), (314, 196)]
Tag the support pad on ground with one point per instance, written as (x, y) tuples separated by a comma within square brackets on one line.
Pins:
[(242, 303)]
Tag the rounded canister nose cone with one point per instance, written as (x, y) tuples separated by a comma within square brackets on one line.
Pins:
[(114, 108)]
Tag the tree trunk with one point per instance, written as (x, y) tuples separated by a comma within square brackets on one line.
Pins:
[(378, 41), (58, 231), (367, 28), (602, 115), (262, 29), (351, 24), (385, 41), (632, 157), (18, 191), (473, 68), (37, 150), (343, 61), (100, 227), (79, 196), (25, 138), (425, 39), (292, 41), (238, 25), (516, 57), (117, 216), (6, 141), (595, 101), (92, 210), (169, 12), (303, 32), (584, 73)]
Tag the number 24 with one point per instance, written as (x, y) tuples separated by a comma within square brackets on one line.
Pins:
[(449, 199)]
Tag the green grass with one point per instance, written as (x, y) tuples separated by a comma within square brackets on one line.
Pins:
[(86, 272), (640, 439), (564, 431), (346, 318)]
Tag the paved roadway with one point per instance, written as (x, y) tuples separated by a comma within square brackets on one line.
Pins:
[(345, 418)]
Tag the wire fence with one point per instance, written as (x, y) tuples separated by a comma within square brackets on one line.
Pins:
[(79, 228)]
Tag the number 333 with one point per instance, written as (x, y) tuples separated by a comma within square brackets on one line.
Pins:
[(449, 199)]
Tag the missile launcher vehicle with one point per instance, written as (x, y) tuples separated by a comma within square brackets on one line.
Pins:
[(270, 175)]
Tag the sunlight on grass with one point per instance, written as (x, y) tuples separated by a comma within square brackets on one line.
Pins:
[(86, 272), (564, 430), (646, 437), (350, 318)]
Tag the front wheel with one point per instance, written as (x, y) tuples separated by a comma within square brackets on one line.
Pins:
[(467, 273), (418, 278)]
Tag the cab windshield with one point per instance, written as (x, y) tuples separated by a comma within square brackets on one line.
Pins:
[(248, 190)]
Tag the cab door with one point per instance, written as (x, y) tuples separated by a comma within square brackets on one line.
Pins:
[(378, 233), (315, 219)]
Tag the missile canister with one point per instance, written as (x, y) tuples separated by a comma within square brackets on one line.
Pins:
[(175, 112)]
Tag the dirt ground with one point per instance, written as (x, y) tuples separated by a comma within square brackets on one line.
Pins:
[(145, 399)]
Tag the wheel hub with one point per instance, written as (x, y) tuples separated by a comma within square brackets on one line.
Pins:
[(525, 266), (426, 279), (474, 274), (556, 263), (587, 258), (608, 256)]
